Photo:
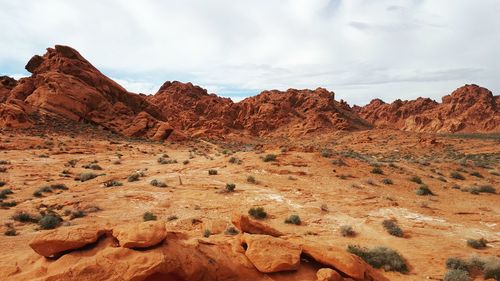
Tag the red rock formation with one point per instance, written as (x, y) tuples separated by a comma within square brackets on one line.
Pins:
[(470, 108), (65, 84)]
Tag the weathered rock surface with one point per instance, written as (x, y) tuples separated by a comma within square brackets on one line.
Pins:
[(470, 108), (328, 274), (141, 235), (270, 254), (252, 226), (56, 241)]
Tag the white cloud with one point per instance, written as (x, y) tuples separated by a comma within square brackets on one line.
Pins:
[(360, 49)]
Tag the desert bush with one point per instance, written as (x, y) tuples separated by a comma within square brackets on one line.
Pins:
[(148, 216), (212, 172), (172, 218), (231, 231), (456, 275), (77, 214), (476, 174), (491, 269), (457, 263), (163, 160), (338, 162), (457, 175), (387, 181), (293, 219), (207, 233), (377, 170), (251, 179), (92, 166), (480, 189), (257, 213), (86, 176), (380, 257), (424, 190), (393, 228), (230, 187), (59, 186), (327, 153), (112, 183), (269, 158), (416, 179), (347, 231), (185, 162), (5, 192), (234, 160), (133, 177), (157, 183), (24, 217), (2, 183), (477, 243), (10, 232), (4, 204), (49, 221)]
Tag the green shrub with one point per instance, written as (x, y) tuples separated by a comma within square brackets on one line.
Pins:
[(157, 183), (477, 243), (269, 158), (148, 216), (416, 179), (231, 231), (457, 175), (457, 263), (476, 174), (49, 221), (4, 204), (59, 186), (393, 228), (380, 257), (86, 176), (10, 232), (77, 214), (423, 190), (347, 231), (212, 172), (257, 213), (377, 170), (491, 269), (172, 217), (387, 181), (487, 189), (456, 275), (230, 187), (293, 219)]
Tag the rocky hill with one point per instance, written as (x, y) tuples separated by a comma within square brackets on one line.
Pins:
[(66, 87), (470, 108)]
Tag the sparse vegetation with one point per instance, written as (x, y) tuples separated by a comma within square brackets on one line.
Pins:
[(477, 243), (148, 216), (231, 231), (172, 218), (112, 183), (133, 177), (347, 231), (380, 257), (212, 172), (293, 219), (424, 190), (157, 183), (251, 179), (92, 166), (257, 213), (377, 170), (49, 221), (457, 175), (234, 160), (165, 160), (230, 187), (327, 153), (207, 233), (476, 174), (456, 275), (480, 189), (25, 217), (416, 179), (269, 158), (392, 228), (387, 181), (86, 176), (77, 214)]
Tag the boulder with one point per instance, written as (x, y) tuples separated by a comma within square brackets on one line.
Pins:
[(248, 225), (54, 242), (141, 235), (328, 274), (270, 254)]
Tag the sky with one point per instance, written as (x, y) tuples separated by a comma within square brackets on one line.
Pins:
[(359, 49)]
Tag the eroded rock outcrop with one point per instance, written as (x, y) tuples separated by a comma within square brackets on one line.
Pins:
[(470, 108), (141, 235)]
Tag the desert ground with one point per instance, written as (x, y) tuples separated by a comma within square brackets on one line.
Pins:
[(332, 182)]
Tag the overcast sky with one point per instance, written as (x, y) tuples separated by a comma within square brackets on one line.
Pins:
[(360, 49)]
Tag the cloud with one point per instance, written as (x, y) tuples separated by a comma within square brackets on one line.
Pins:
[(358, 48)]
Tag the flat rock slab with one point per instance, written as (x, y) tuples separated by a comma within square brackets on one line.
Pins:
[(141, 235)]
